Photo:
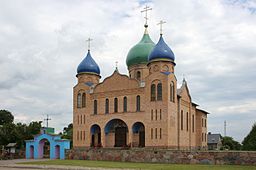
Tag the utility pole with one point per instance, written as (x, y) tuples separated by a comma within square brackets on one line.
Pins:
[(225, 128), (47, 119)]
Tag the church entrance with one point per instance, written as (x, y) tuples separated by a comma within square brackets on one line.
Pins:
[(120, 136), (116, 132), (138, 130), (95, 136), (44, 148)]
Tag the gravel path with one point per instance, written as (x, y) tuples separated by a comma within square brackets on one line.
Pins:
[(12, 165)]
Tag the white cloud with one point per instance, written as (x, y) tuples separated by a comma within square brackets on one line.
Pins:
[(42, 42)]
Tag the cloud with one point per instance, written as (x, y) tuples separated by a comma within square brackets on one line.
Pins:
[(42, 42)]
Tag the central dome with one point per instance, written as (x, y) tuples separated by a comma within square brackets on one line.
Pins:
[(138, 54)]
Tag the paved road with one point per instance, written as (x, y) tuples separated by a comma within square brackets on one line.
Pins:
[(12, 165)]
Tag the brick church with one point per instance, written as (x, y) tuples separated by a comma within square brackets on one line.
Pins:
[(142, 109)]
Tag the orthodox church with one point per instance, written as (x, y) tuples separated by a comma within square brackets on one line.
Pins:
[(142, 109)]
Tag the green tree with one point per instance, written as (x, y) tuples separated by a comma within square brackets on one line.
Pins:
[(249, 142), (229, 143), (6, 117), (18, 133), (68, 133), (7, 133), (33, 129)]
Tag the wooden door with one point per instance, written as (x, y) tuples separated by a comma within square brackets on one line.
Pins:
[(120, 136)]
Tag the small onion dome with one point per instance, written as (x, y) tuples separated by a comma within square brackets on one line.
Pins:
[(88, 65), (161, 51), (138, 54)]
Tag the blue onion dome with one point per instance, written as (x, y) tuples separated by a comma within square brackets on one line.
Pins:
[(161, 51), (88, 65), (138, 54)]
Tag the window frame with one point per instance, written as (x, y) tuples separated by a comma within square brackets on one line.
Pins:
[(115, 105), (106, 106), (125, 104), (138, 103), (153, 92), (95, 107), (159, 92)]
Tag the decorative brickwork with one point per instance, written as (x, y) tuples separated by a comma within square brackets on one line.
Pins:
[(145, 108)]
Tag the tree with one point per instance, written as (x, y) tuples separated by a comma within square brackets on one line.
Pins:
[(18, 133), (249, 142), (229, 143), (7, 133), (68, 133), (6, 117), (33, 129)]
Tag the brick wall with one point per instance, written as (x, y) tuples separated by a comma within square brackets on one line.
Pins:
[(164, 156)]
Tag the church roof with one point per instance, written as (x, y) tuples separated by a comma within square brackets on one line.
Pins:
[(88, 65), (138, 54), (161, 51)]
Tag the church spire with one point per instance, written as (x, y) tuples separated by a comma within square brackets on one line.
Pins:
[(146, 9), (161, 26), (89, 43)]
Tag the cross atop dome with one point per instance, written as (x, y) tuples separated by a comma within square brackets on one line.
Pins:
[(89, 43), (116, 65), (146, 9), (161, 26)]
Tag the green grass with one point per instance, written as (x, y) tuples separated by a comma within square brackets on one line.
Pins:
[(149, 166)]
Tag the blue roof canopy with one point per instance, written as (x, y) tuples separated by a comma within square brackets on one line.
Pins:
[(161, 51), (88, 65)]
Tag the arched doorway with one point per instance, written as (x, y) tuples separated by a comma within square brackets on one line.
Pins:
[(138, 130), (116, 133), (95, 135), (44, 148), (31, 152), (57, 151)]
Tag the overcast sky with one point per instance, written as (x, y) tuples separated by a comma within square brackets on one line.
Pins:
[(42, 43)]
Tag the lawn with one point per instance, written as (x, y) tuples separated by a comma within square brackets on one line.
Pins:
[(149, 166)]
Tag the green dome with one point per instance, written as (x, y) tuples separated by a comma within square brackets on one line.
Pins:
[(138, 54)]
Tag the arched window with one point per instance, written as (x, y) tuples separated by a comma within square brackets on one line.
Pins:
[(187, 121), (125, 104), (151, 133), (160, 133), (172, 92), (138, 103), (159, 91), (79, 100), (95, 107), (153, 92), (138, 75), (156, 133), (83, 100), (181, 119), (115, 105), (107, 106), (193, 123)]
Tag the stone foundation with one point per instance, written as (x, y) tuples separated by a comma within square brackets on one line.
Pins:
[(164, 156)]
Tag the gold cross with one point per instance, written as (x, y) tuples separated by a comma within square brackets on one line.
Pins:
[(146, 9), (161, 26), (116, 64), (89, 43)]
